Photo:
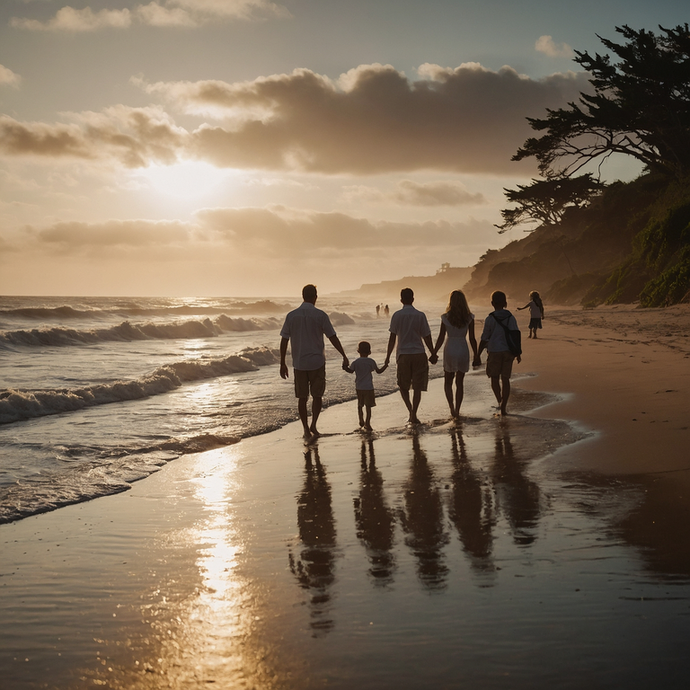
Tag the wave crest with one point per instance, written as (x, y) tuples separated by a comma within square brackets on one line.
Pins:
[(17, 405)]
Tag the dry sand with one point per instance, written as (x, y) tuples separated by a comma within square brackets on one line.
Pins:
[(625, 375), (496, 554)]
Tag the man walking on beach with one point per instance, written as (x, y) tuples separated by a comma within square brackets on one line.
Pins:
[(304, 329), (411, 329), (499, 362)]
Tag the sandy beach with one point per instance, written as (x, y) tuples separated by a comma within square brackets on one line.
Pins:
[(546, 549)]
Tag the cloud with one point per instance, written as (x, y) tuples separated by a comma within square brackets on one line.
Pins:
[(546, 45), (8, 77), (171, 13), (155, 14), (287, 232), (248, 251), (240, 9), (372, 120), (70, 19), (71, 236), (409, 193), (134, 137), (255, 233)]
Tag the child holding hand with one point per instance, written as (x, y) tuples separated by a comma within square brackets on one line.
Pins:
[(363, 367)]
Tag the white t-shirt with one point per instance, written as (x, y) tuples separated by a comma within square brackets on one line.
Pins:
[(493, 332), (410, 326), (362, 368), (534, 310), (305, 327)]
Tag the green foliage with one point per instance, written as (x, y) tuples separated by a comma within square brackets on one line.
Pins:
[(656, 271), (671, 286)]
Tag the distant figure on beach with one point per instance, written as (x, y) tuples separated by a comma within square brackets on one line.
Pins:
[(536, 313), (304, 329), (378, 310), (457, 323), (411, 329), (386, 311), (495, 339), (363, 367)]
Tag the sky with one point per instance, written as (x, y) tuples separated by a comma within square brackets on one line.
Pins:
[(247, 147)]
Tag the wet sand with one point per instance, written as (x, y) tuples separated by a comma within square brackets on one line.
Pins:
[(625, 373), (498, 553)]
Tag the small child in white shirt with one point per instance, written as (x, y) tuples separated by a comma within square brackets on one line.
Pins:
[(536, 312), (363, 367)]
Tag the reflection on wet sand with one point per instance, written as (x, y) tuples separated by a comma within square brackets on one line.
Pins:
[(315, 568), (518, 497), (471, 507), (422, 520), (374, 520)]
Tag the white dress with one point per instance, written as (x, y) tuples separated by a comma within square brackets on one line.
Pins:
[(456, 353)]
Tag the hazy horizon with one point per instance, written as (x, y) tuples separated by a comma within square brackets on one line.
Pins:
[(247, 147)]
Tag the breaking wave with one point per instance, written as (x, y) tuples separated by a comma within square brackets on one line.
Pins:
[(17, 405), (102, 477), (126, 332)]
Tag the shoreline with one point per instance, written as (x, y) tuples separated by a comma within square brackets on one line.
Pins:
[(623, 374), (494, 550)]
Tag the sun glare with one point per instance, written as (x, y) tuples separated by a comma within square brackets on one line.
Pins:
[(188, 180)]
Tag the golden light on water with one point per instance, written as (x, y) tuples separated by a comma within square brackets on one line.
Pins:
[(213, 606), (218, 541)]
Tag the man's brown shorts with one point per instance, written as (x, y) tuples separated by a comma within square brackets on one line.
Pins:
[(499, 364), (413, 372), (310, 381), (366, 398)]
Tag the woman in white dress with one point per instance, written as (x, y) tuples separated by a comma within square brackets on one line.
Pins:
[(457, 323)]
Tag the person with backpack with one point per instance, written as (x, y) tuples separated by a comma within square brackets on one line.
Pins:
[(501, 339)]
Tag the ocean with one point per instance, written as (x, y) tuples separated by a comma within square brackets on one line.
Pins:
[(96, 393)]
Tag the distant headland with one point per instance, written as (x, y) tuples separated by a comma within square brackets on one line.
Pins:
[(434, 287)]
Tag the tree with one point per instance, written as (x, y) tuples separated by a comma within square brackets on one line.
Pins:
[(640, 107), (546, 201)]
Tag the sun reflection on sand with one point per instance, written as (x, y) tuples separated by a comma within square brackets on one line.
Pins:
[(204, 624), (221, 616)]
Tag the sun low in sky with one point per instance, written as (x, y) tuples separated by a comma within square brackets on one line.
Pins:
[(246, 147)]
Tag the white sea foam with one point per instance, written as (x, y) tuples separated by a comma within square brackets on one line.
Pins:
[(59, 336), (98, 392), (16, 405)]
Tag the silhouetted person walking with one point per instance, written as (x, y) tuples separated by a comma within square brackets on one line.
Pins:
[(410, 328), (304, 329)]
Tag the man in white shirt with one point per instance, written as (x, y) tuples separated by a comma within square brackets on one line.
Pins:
[(304, 329), (410, 328)]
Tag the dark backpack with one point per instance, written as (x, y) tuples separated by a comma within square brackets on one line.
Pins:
[(513, 338)]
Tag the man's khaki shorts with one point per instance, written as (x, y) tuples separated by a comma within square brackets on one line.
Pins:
[(310, 381), (366, 398), (499, 364), (413, 372)]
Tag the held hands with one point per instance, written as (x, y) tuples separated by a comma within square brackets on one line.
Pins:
[(434, 358), (477, 361)]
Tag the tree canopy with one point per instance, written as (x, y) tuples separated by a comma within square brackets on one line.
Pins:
[(640, 107), (546, 201)]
